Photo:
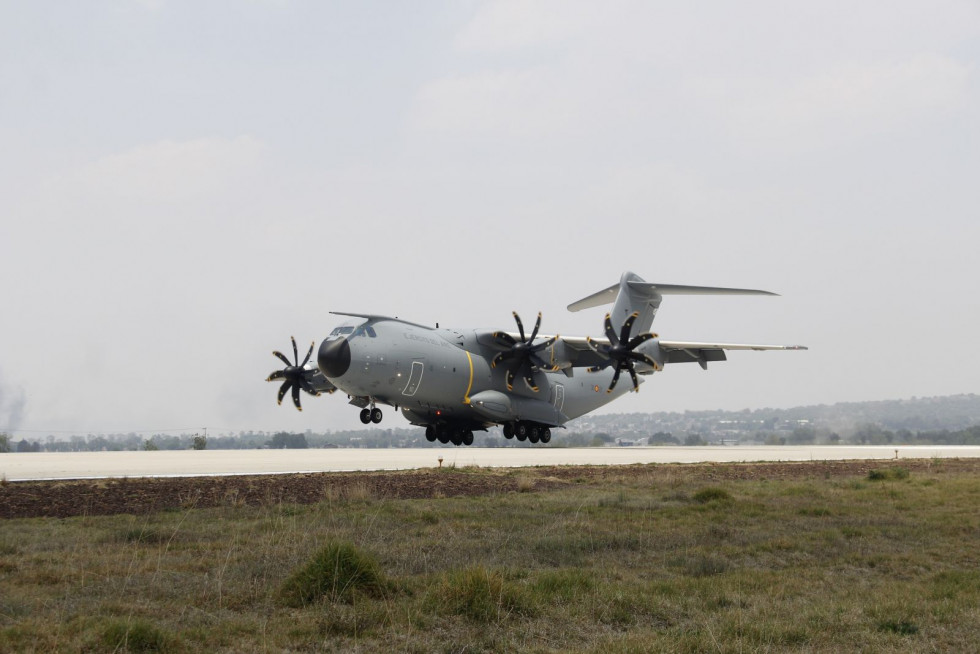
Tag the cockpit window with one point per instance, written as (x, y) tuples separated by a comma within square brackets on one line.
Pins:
[(360, 330)]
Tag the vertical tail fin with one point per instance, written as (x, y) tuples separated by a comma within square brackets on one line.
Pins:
[(633, 295)]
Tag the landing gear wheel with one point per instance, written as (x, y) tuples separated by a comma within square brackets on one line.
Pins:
[(376, 415), (365, 416), (430, 434), (443, 436), (508, 430), (532, 434), (456, 438), (545, 435), (520, 430), (467, 437)]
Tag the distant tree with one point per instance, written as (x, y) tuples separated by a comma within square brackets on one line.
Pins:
[(200, 442), (4, 443), (802, 436), (285, 440), (603, 436), (662, 437), (694, 439), (775, 439), (149, 445)]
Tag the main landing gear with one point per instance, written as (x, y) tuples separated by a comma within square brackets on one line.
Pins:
[(446, 434), (527, 431), (371, 415)]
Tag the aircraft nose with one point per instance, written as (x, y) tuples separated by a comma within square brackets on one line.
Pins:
[(333, 358)]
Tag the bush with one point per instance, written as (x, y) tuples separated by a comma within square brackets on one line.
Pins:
[(480, 594), (886, 474), (335, 573), (136, 636), (712, 494)]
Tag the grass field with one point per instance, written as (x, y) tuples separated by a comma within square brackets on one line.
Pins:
[(888, 561)]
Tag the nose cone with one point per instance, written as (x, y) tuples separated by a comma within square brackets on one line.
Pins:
[(334, 358)]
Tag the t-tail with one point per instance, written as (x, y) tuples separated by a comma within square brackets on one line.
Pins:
[(634, 295)]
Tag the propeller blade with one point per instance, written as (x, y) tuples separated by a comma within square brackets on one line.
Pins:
[(537, 326), (636, 382), (305, 385), (642, 338), (295, 352), (283, 390), (503, 339), (279, 374), (601, 348), (520, 326), (308, 355), (624, 335), (639, 356), (615, 379), (541, 346), (299, 407), (610, 333), (282, 357)]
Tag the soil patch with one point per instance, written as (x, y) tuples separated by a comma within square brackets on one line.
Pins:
[(61, 499)]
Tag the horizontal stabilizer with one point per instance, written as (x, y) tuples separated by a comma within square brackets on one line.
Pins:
[(608, 295)]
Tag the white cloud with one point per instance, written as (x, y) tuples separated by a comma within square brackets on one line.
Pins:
[(840, 103), (515, 24), (170, 170), (523, 102)]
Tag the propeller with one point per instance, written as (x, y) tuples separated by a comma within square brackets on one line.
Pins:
[(522, 354), (293, 374), (620, 352)]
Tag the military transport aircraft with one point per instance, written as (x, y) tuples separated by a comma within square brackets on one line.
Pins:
[(457, 381)]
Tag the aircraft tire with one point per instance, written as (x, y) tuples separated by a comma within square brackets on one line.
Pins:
[(520, 431), (442, 436), (467, 437), (508, 430), (456, 438), (430, 433), (365, 416), (545, 435), (376, 415), (532, 434)]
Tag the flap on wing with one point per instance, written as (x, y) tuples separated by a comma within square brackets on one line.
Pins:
[(687, 345)]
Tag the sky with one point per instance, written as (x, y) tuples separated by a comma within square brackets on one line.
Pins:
[(185, 185)]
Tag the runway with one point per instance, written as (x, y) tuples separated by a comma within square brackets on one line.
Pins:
[(191, 463)]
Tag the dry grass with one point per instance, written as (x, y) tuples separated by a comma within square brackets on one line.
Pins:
[(815, 565)]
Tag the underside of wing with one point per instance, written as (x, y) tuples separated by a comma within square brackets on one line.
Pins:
[(702, 353)]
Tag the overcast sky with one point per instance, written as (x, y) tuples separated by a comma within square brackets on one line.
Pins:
[(184, 185)]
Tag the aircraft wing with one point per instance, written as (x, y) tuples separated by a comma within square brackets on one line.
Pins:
[(702, 353), (576, 351)]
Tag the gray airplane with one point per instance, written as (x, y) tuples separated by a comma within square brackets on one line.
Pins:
[(457, 381)]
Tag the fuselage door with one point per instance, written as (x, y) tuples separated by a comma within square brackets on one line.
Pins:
[(414, 379), (558, 396)]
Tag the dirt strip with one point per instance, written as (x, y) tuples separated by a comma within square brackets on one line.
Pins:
[(61, 499)]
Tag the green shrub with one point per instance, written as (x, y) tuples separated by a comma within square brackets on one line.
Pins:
[(887, 474), (900, 627), (479, 594), (335, 573), (135, 636), (712, 494)]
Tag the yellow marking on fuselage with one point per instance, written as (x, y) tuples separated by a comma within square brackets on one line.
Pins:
[(466, 396)]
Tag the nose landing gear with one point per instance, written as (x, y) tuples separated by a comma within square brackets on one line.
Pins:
[(371, 415)]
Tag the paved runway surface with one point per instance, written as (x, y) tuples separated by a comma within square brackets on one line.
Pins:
[(184, 463)]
